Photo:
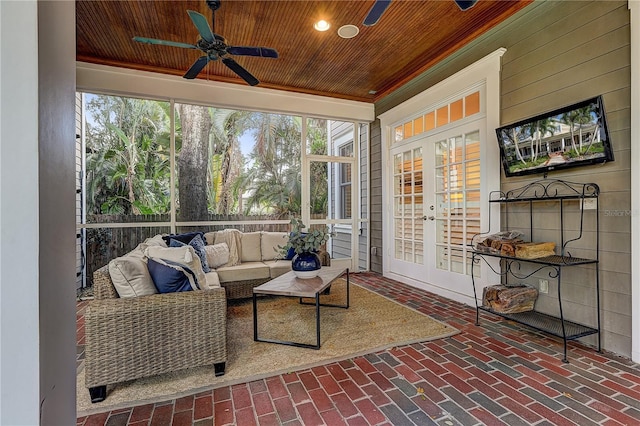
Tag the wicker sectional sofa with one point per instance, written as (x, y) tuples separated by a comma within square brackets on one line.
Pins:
[(137, 336), (259, 262)]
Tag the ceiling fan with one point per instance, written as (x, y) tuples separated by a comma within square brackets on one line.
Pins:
[(380, 6), (214, 47)]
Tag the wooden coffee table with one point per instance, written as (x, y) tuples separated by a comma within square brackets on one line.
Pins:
[(291, 286)]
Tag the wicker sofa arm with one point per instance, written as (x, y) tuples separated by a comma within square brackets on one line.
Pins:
[(138, 337)]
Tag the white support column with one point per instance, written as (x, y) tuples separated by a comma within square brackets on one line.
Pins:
[(634, 8)]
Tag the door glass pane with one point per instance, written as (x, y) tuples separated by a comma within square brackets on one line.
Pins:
[(397, 185), (442, 231), (456, 233), (397, 206), (419, 251), (407, 202), (457, 199), (472, 174), (457, 261), (419, 229), (397, 164), (398, 249), (473, 228), (442, 205), (408, 251), (441, 179), (457, 204), (441, 153), (442, 257)]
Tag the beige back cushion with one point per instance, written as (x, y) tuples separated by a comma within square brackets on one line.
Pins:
[(155, 241), (233, 239), (270, 242), (210, 238), (251, 247), (130, 275), (185, 255), (217, 255)]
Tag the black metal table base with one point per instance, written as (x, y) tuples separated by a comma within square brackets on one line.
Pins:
[(317, 305)]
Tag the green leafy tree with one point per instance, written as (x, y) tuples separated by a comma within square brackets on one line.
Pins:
[(577, 119), (536, 130), (127, 156), (227, 162), (274, 177), (318, 187)]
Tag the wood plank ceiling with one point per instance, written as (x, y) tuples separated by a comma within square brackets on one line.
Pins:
[(410, 37)]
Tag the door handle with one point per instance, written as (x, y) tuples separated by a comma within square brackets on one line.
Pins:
[(428, 217)]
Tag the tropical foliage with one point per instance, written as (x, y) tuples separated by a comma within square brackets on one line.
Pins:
[(226, 161), (127, 153)]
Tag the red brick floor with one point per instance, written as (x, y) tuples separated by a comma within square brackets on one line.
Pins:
[(498, 373)]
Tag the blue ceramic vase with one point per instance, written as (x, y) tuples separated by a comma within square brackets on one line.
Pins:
[(306, 265)]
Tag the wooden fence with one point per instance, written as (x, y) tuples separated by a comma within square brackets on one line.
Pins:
[(106, 243)]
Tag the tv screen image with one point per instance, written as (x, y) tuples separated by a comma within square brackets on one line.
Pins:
[(571, 136)]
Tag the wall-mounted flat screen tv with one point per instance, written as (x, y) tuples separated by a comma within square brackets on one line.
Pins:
[(572, 136)]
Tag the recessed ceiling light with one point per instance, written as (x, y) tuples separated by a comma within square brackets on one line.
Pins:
[(373, 92), (348, 31), (321, 25)]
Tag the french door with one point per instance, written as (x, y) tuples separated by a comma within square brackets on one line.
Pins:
[(436, 206)]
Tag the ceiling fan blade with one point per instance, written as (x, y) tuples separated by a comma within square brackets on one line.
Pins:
[(465, 4), (202, 25), (263, 52), (197, 66), (238, 69), (376, 12), (164, 42)]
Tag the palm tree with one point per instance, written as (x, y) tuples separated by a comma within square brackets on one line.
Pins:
[(583, 116), (275, 173), (577, 117), (127, 157), (537, 129), (226, 158), (318, 188), (513, 136)]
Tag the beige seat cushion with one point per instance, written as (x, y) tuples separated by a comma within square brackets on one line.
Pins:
[(212, 279), (251, 247), (130, 275), (270, 243), (185, 255), (243, 272), (278, 267)]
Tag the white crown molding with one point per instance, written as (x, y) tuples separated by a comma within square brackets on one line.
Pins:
[(114, 80)]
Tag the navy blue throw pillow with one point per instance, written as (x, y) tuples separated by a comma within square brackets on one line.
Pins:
[(183, 238), (171, 277), (198, 245)]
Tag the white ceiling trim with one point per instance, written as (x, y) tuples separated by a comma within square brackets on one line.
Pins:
[(114, 80)]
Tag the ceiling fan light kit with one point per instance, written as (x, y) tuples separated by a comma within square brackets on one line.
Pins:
[(214, 47)]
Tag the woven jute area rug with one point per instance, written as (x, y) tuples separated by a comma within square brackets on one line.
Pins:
[(372, 323)]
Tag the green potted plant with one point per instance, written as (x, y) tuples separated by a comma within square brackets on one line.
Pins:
[(304, 246)]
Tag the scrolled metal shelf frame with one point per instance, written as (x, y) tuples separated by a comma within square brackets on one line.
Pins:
[(544, 190)]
